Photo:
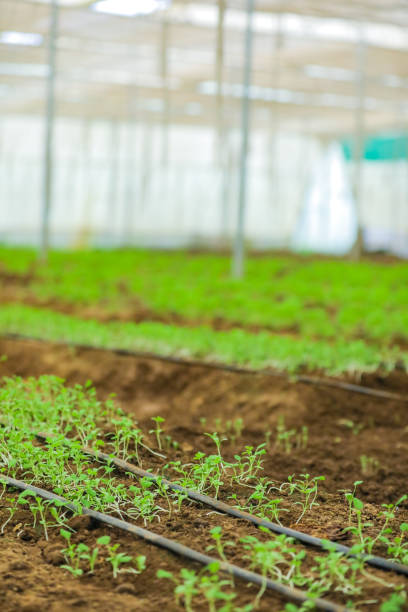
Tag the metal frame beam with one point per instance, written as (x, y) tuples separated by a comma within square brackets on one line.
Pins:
[(238, 254), (49, 132), (359, 138)]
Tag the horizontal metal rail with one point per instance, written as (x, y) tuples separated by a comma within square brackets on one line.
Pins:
[(175, 547), (219, 506), (302, 378)]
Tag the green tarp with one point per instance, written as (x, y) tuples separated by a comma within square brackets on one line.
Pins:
[(380, 148)]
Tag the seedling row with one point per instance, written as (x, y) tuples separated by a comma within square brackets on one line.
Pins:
[(75, 418)]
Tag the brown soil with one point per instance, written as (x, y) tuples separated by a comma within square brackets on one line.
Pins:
[(183, 395)]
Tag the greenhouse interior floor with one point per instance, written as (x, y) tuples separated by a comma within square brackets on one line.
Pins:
[(235, 406), (342, 427)]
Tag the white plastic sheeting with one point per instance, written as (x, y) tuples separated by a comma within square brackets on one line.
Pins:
[(111, 188), (328, 222)]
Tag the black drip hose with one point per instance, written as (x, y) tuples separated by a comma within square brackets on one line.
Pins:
[(292, 594), (374, 561)]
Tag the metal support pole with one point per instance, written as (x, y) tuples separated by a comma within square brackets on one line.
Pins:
[(146, 165), (404, 223), (130, 184), (166, 93), (113, 187), (238, 255), (87, 181), (130, 168), (276, 207), (359, 141), (49, 132), (221, 134)]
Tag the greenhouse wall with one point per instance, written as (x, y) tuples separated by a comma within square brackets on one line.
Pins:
[(113, 186)]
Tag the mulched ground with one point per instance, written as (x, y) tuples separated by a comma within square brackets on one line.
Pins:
[(184, 395)]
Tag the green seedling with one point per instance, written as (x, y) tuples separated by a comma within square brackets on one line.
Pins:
[(12, 510), (212, 586), (73, 554), (143, 501), (170, 443), (357, 507), (334, 569), (163, 488), (396, 603), (288, 439), (307, 605), (277, 557), (234, 428), (178, 497), (206, 584), (247, 465), (216, 534), (366, 543), (186, 586), (263, 506), (217, 441), (206, 472), (369, 465), (74, 414), (37, 507), (117, 559), (388, 515), (355, 427), (126, 436), (90, 556), (397, 547), (304, 487), (259, 502), (349, 496), (158, 430)]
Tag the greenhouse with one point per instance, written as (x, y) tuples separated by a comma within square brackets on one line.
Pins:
[(203, 305)]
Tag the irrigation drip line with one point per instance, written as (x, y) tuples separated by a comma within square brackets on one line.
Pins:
[(219, 506), (302, 378), (293, 594), (313, 380)]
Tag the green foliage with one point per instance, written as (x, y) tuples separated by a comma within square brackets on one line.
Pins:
[(235, 346), (304, 488), (191, 586), (73, 554), (289, 439), (158, 430), (74, 416), (396, 603), (369, 465), (216, 534), (76, 553), (324, 298)]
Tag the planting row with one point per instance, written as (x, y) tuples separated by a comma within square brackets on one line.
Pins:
[(324, 299), (235, 346), (75, 418)]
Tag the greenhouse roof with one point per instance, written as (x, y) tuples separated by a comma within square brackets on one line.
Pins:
[(155, 60)]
